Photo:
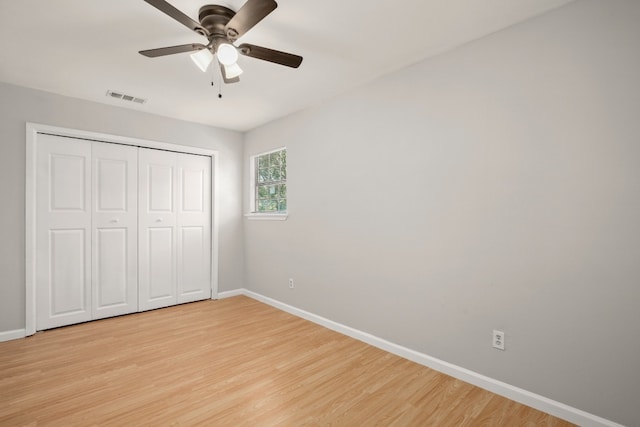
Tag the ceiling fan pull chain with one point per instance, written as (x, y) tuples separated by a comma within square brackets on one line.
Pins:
[(213, 76), (220, 85)]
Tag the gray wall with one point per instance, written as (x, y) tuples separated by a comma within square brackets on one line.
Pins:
[(20, 105), (494, 186)]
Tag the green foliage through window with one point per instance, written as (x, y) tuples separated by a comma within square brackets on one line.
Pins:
[(271, 182)]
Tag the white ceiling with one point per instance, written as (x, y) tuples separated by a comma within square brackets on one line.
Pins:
[(82, 48)]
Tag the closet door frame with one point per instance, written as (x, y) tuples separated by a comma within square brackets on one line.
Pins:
[(32, 132)]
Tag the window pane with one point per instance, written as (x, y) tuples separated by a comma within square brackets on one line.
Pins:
[(263, 175), (283, 191), (263, 161), (269, 205), (268, 192), (282, 205), (274, 158), (274, 171), (263, 192)]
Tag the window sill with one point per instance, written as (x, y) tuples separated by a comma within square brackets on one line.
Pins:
[(267, 216)]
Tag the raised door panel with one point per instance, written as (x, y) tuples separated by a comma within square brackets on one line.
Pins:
[(112, 179), (194, 228), (161, 258), (115, 230), (68, 272), (63, 231), (157, 174), (67, 182), (111, 281), (193, 263), (161, 189)]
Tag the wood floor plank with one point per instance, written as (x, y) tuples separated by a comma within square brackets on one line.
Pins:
[(233, 362)]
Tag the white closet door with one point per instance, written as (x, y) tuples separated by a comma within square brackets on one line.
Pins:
[(157, 201), (194, 228), (63, 238), (115, 230)]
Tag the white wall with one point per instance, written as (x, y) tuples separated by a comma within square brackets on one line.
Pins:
[(20, 105), (495, 186)]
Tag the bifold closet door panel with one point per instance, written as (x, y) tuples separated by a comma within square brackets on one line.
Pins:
[(119, 229), (194, 228), (63, 237), (115, 230), (157, 220)]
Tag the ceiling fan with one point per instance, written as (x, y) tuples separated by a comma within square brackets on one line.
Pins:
[(222, 27)]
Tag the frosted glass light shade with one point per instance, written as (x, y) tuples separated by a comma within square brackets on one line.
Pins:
[(202, 59), (227, 54), (232, 71)]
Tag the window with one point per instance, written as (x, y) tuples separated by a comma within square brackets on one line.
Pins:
[(270, 182)]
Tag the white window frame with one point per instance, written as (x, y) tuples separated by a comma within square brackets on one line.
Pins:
[(253, 214)]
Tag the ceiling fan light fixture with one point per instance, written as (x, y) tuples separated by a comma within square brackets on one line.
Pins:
[(227, 54), (202, 59), (232, 71)]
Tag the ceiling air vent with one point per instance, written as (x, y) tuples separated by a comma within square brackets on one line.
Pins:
[(118, 95)]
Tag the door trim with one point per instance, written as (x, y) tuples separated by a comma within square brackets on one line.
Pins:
[(32, 131)]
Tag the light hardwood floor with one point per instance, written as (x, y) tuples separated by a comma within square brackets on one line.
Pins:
[(233, 362)]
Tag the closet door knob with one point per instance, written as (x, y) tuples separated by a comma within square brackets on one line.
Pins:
[(159, 220), (115, 220)]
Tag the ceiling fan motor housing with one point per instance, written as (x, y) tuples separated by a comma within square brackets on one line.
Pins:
[(215, 18)]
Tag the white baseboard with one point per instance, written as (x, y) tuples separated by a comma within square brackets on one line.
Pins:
[(517, 394), (12, 335), (232, 293)]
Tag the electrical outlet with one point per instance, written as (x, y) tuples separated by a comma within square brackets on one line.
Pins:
[(498, 340), (291, 284)]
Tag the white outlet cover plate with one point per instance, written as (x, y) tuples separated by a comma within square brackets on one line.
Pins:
[(498, 340)]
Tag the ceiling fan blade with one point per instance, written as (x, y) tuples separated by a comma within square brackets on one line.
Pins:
[(275, 56), (174, 13), (162, 51), (224, 75), (252, 12)]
